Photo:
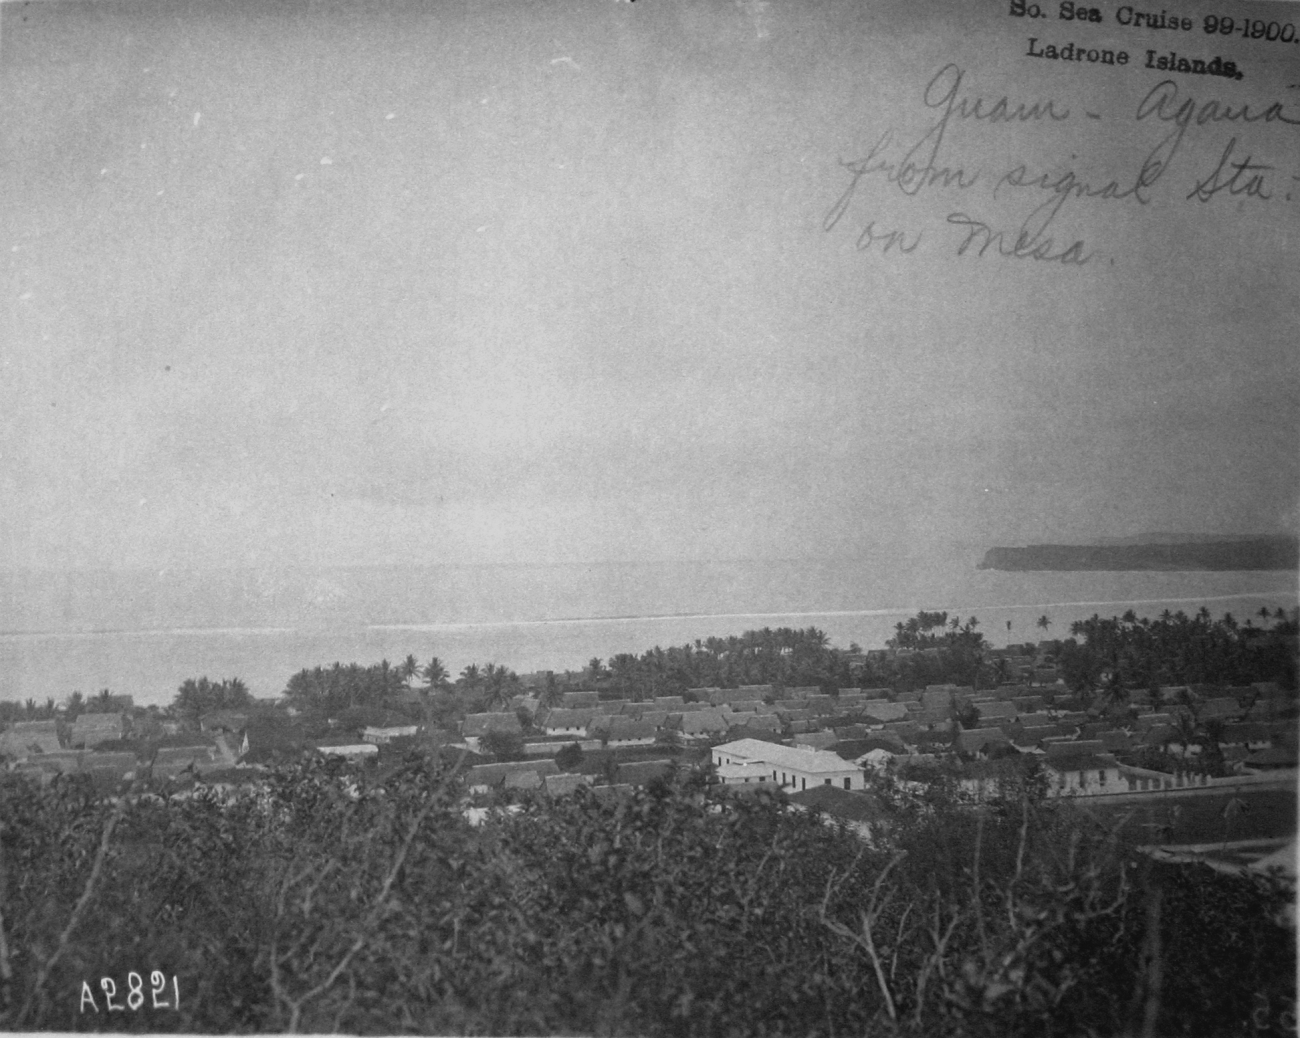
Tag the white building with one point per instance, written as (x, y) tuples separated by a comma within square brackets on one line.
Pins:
[(791, 768), (383, 736), (568, 722), (755, 772), (1088, 775)]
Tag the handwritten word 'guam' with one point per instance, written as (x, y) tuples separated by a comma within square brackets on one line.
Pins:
[(919, 166), (135, 997)]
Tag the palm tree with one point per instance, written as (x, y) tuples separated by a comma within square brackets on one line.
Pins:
[(470, 676), (498, 681), (435, 673), (551, 695), (75, 705), (1116, 693), (1044, 622), (409, 668)]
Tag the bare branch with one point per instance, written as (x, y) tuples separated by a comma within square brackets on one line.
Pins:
[(87, 893), (867, 941), (936, 958), (6, 971), (376, 911), (1020, 861), (975, 883), (898, 940)]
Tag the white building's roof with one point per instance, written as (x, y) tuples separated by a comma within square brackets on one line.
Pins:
[(790, 757), (361, 749)]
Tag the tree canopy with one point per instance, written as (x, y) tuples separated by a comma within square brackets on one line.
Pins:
[(200, 696), (358, 899)]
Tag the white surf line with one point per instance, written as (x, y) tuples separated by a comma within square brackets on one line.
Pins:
[(630, 619), (892, 611)]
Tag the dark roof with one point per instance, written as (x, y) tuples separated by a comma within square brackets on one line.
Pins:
[(976, 739), (1248, 731), (495, 774), (703, 721), (1116, 740), (173, 755), (1274, 757), (754, 731), (841, 803), (643, 772), (1075, 748), (481, 724), (758, 723)]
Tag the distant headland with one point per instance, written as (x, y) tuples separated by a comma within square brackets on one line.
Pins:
[(1154, 552)]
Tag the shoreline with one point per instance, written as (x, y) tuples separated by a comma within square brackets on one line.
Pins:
[(437, 625)]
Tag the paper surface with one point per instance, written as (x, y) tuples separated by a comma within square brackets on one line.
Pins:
[(537, 332), (651, 283)]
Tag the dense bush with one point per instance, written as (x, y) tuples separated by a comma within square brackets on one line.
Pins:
[(342, 897)]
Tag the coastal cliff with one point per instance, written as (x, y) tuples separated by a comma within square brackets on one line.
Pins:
[(1254, 553)]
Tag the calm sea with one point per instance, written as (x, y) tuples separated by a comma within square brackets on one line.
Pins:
[(144, 633)]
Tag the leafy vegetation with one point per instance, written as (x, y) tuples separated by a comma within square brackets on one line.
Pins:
[(1132, 652), (355, 898), (196, 698)]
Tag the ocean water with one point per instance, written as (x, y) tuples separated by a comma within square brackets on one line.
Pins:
[(144, 634)]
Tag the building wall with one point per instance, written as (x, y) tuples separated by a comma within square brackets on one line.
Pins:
[(1089, 782)]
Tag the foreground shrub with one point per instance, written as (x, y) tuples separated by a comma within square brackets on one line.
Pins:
[(343, 897)]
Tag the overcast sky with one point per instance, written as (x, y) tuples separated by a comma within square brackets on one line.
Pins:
[(540, 282)]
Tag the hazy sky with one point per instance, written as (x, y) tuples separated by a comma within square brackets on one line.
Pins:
[(497, 281)]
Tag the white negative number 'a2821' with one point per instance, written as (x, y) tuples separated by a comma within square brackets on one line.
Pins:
[(134, 997)]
